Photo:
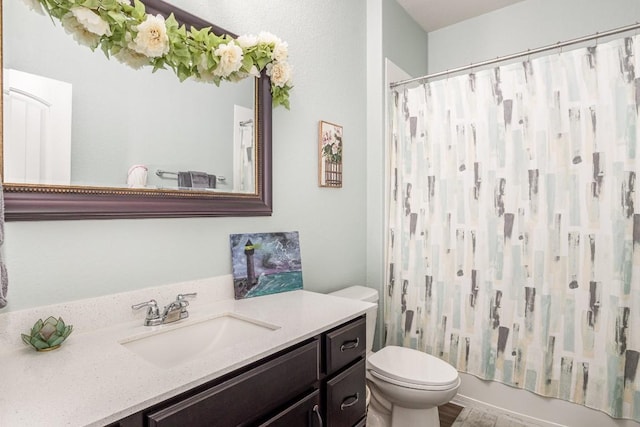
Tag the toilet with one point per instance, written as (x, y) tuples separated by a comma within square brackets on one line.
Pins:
[(405, 386)]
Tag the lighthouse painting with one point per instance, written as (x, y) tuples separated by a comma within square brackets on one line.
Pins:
[(265, 263)]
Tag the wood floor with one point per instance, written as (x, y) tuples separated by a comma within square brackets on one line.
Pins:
[(448, 414)]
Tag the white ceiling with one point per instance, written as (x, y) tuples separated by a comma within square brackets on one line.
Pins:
[(435, 14)]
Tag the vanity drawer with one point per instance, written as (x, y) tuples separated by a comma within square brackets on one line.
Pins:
[(305, 412), (248, 396), (346, 397), (345, 344)]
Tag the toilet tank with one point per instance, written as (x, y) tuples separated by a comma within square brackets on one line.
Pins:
[(363, 293)]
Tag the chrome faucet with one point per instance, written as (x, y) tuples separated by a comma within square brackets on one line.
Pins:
[(177, 310)]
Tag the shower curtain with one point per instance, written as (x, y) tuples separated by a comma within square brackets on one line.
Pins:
[(513, 243)]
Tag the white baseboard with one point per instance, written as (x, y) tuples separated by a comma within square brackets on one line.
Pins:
[(468, 402)]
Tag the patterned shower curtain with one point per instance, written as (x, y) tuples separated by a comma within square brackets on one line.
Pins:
[(513, 243)]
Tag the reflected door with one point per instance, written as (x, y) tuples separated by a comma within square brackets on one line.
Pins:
[(37, 129), (243, 150)]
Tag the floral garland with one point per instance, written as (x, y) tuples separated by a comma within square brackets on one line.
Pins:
[(125, 31)]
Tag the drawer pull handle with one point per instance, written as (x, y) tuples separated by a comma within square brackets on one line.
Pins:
[(316, 410), (350, 345), (349, 401)]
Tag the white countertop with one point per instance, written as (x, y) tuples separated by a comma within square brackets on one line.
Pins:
[(93, 380)]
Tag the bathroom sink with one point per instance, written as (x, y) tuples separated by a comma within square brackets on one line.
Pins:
[(171, 345)]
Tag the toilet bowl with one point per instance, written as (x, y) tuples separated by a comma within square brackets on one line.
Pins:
[(406, 385)]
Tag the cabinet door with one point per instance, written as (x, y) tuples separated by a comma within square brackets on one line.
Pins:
[(345, 344), (134, 420), (247, 397), (346, 397), (305, 412)]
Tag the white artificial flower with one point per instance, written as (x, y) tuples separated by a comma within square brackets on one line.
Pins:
[(205, 75), (280, 73), (152, 39), (35, 6), (268, 38), (246, 41), (133, 59), (280, 52), (79, 31), (91, 21), (230, 56), (254, 71)]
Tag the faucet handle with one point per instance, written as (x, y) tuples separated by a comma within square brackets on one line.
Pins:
[(153, 311), (182, 298)]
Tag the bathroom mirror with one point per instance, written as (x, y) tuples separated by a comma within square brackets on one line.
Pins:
[(96, 183)]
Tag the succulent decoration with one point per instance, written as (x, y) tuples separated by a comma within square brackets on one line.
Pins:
[(47, 335), (124, 30)]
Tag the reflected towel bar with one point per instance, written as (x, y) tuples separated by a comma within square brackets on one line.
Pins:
[(162, 174)]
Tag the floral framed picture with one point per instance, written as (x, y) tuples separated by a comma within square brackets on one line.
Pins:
[(329, 155)]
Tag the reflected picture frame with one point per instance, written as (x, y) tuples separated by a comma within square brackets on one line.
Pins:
[(330, 154)]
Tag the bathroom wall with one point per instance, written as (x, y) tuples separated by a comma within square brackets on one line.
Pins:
[(525, 25), (58, 261), (406, 48), (331, 44)]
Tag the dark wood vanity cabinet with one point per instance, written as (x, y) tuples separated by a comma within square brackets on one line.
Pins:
[(344, 390), (319, 382)]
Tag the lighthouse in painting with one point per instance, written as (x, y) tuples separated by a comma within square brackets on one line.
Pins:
[(249, 250), (265, 263)]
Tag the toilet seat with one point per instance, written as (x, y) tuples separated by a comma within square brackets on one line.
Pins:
[(411, 368)]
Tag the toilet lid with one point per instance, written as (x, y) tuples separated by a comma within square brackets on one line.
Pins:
[(412, 367)]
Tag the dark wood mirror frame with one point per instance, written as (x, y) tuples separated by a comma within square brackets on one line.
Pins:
[(27, 202)]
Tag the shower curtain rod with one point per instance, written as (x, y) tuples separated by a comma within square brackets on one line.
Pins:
[(519, 54)]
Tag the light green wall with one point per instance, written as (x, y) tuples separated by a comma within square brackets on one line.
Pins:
[(403, 41), (525, 25), (51, 262)]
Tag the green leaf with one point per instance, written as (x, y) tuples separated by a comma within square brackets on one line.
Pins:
[(247, 63), (117, 17), (171, 23), (262, 62), (105, 48), (138, 11), (90, 4), (183, 72)]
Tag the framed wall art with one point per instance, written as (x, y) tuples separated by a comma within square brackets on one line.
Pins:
[(329, 155), (265, 263)]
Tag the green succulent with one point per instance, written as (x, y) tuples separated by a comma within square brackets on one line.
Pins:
[(48, 334)]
